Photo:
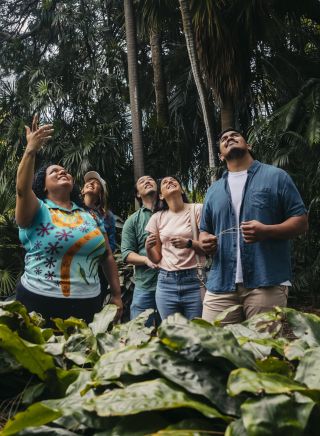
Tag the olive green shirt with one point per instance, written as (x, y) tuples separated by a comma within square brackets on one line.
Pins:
[(133, 238)]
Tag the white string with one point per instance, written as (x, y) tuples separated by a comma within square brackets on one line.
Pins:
[(229, 231)]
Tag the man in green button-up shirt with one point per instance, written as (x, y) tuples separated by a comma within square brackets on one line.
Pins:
[(133, 249)]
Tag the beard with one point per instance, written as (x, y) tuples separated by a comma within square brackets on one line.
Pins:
[(235, 153)]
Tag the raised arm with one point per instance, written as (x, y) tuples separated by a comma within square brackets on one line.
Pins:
[(26, 201)]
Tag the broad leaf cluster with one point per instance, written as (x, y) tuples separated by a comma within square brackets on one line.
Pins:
[(191, 377)]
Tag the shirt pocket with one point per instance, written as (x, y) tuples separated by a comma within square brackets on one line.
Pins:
[(262, 198)]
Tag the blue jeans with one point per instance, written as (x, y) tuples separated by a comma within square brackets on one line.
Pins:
[(141, 301), (179, 291)]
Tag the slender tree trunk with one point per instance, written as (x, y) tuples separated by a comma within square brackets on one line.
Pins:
[(131, 37), (195, 65), (227, 114), (159, 79)]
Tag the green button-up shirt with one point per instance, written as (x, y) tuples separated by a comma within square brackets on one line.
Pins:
[(134, 235)]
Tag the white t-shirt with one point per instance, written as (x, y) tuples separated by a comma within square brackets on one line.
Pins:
[(236, 182)]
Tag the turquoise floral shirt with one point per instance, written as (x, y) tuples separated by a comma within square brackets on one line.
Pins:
[(63, 251)]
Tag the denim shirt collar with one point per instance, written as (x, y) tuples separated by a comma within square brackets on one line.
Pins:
[(251, 170)]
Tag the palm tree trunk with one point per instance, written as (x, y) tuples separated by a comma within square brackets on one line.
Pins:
[(159, 79), (195, 66), (131, 37), (227, 114)]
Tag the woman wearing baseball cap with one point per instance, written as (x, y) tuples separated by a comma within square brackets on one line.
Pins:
[(95, 194)]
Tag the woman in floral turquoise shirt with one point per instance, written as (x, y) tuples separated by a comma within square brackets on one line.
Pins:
[(64, 244)]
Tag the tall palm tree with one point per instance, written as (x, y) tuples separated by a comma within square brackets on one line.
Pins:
[(195, 65), (224, 52), (160, 88), (153, 19), (230, 33), (131, 38)]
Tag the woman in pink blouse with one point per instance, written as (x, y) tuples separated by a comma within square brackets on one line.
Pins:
[(170, 244)]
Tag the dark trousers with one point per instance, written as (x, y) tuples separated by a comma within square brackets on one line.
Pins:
[(50, 307)]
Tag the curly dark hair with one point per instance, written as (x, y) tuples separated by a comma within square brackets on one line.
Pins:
[(162, 204), (39, 181)]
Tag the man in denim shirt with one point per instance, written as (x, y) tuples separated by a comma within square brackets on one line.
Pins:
[(248, 219)]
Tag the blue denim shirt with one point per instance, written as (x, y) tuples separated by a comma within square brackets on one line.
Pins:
[(269, 196)]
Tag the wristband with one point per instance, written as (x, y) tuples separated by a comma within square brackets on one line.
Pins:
[(189, 243)]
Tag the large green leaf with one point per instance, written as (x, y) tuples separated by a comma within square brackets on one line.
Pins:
[(304, 325), (14, 307), (236, 428), (264, 344), (244, 380), (81, 348), (103, 319), (47, 431), (154, 395), (36, 415), (15, 316), (130, 360), (179, 334), (269, 323), (201, 378), (295, 350), (8, 363), (245, 337), (192, 427), (147, 424), (133, 332), (30, 356), (275, 365), (276, 415), (70, 325), (308, 371), (32, 393), (49, 410)]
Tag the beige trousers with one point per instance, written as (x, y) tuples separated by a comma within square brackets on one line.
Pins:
[(253, 301)]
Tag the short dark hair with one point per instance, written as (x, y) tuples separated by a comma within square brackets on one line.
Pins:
[(162, 204), (39, 182), (230, 129), (136, 189)]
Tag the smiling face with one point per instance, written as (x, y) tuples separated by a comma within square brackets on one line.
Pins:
[(93, 187), (169, 186), (233, 145), (146, 185), (57, 178)]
